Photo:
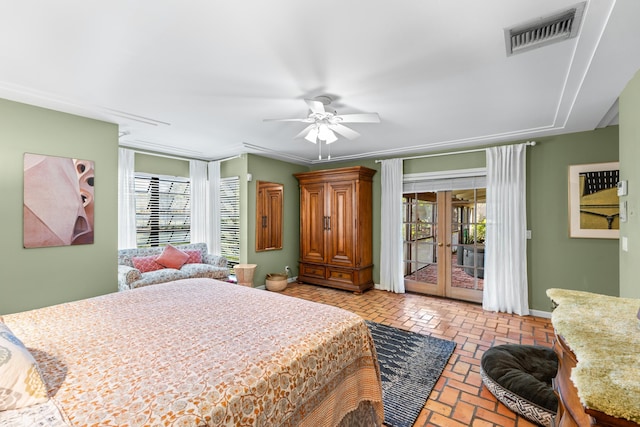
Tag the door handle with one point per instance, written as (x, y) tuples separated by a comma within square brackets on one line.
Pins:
[(328, 223), (440, 244), (448, 245)]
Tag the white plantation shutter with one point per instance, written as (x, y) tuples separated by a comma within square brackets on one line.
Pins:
[(163, 210), (230, 219)]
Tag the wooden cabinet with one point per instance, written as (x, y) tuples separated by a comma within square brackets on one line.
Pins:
[(571, 412), (597, 343), (268, 215), (336, 228)]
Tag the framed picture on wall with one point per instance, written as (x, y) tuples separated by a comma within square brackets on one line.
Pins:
[(58, 201), (594, 206)]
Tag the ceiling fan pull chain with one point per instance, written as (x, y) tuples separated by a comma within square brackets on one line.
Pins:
[(319, 150)]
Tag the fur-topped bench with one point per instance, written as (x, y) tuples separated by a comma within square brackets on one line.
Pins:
[(149, 266)]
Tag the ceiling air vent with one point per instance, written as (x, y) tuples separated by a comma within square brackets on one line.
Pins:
[(543, 31)]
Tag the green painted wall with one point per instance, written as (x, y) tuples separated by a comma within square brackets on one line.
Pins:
[(629, 170), (266, 169), (554, 260), (444, 163), (74, 272), (154, 164), (32, 278)]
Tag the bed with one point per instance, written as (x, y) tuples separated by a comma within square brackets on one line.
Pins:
[(199, 352)]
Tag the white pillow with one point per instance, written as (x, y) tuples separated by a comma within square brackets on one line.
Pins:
[(21, 384)]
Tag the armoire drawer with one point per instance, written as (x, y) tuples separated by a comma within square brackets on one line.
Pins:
[(345, 276), (311, 270)]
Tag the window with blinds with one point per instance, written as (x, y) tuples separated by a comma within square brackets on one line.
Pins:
[(163, 210), (230, 219)]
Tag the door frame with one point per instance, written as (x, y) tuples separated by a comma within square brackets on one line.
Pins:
[(436, 182)]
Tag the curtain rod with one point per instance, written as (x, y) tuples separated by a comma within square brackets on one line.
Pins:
[(531, 143)]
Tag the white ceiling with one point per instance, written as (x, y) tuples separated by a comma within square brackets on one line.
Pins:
[(197, 78)]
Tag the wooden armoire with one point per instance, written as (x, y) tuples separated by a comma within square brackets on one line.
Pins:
[(336, 228)]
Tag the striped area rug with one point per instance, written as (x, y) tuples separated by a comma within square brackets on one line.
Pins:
[(410, 365)]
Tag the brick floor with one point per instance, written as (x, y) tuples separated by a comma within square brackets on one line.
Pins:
[(459, 398)]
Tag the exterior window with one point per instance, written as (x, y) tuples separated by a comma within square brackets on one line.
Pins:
[(230, 219), (163, 211)]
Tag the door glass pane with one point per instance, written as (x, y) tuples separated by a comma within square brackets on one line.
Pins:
[(468, 226), (420, 236)]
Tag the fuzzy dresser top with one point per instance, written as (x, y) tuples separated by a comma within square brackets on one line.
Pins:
[(604, 334)]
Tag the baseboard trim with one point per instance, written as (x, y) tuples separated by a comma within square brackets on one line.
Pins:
[(540, 313)]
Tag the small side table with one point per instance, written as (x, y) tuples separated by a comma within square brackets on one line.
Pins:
[(244, 274)]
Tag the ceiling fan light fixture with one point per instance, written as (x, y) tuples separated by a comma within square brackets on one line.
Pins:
[(312, 135), (324, 133), (331, 137)]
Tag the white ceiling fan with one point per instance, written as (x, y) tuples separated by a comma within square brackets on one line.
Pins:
[(325, 122)]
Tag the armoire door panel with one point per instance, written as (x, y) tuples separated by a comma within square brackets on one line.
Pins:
[(313, 223), (341, 224)]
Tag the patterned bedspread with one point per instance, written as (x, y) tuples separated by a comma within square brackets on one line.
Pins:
[(200, 352)]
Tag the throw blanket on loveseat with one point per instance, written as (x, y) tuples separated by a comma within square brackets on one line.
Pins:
[(137, 267)]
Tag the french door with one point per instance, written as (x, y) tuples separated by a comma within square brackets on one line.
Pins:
[(444, 243)]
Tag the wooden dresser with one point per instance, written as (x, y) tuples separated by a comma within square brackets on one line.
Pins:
[(336, 228), (581, 317)]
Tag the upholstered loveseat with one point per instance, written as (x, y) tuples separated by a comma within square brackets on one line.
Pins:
[(149, 266)]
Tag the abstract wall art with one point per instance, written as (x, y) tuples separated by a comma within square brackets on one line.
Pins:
[(58, 201), (594, 210)]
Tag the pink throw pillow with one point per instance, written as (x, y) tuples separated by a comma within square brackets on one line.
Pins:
[(195, 256), (172, 257), (146, 263)]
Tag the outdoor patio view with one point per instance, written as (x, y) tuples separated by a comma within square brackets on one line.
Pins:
[(444, 236)]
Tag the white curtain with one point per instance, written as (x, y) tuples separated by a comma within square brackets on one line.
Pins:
[(126, 199), (214, 208), (505, 282), (199, 201), (391, 253)]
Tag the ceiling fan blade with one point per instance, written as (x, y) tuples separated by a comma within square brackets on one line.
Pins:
[(344, 131), (315, 106), (359, 118), (304, 131), (305, 120)]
